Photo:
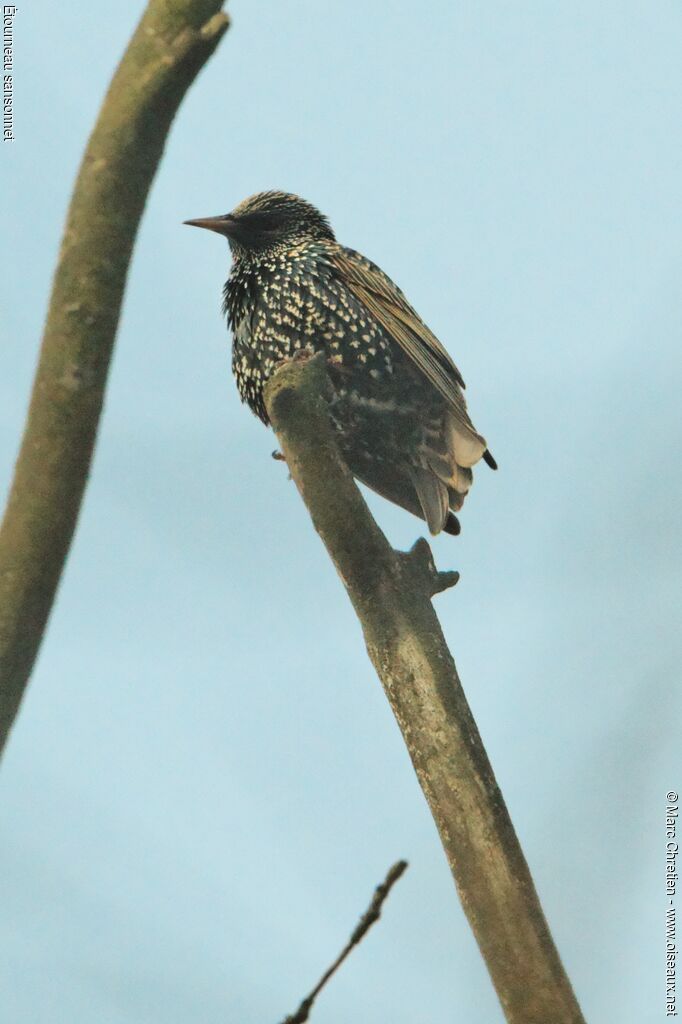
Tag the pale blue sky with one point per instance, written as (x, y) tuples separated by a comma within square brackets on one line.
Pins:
[(206, 782)]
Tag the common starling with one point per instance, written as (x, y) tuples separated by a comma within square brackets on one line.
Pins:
[(397, 406)]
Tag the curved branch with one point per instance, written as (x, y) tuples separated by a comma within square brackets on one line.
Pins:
[(391, 593), (172, 42)]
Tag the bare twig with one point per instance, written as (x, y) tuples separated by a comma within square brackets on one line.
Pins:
[(172, 42), (391, 593), (371, 915)]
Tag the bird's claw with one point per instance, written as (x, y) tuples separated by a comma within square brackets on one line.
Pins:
[(300, 355)]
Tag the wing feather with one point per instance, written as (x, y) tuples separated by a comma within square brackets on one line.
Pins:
[(387, 304)]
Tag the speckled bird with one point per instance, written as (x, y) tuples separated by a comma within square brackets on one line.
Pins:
[(398, 405)]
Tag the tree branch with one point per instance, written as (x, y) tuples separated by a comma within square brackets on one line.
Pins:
[(372, 914), (172, 42), (391, 593)]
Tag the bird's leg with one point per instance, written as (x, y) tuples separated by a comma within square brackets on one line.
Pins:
[(338, 370), (278, 457), (300, 355)]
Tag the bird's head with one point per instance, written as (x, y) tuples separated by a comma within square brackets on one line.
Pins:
[(268, 220)]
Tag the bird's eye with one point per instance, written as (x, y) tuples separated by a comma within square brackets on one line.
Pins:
[(259, 222)]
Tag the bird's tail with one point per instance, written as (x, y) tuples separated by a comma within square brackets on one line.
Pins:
[(444, 481), (435, 488)]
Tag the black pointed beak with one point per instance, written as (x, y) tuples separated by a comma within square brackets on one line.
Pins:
[(223, 225)]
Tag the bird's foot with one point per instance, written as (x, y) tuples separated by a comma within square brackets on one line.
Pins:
[(300, 355)]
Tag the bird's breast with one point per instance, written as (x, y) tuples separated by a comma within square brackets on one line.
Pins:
[(298, 303)]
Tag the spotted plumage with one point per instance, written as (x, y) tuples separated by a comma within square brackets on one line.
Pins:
[(398, 405)]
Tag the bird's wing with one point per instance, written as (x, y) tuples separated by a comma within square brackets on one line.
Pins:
[(387, 304)]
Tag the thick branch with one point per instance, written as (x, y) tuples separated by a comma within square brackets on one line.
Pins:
[(170, 45), (407, 647)]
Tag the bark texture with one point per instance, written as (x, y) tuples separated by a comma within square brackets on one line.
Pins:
[(172, 42), (391, 593)]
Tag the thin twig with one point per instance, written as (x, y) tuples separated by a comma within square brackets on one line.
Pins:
[(371, 915)]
